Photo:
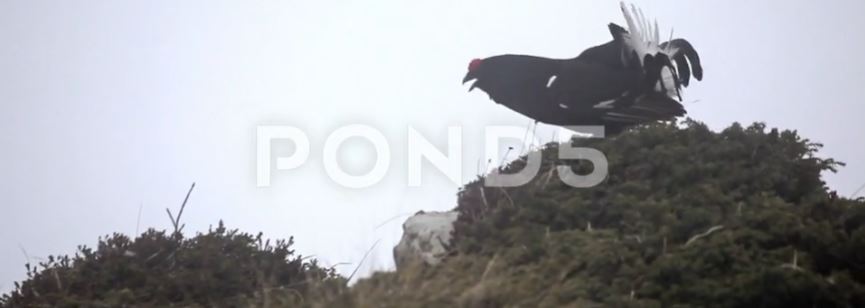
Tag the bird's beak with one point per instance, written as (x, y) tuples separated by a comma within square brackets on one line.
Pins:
[(469, 77)]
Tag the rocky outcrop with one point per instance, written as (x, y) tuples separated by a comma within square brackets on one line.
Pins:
[(426, 237)]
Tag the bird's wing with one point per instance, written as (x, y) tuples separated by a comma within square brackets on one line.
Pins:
[(583, 83), (611, 53), (646, 108), (591, 91)]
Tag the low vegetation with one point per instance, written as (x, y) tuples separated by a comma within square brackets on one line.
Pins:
[(688, 217)]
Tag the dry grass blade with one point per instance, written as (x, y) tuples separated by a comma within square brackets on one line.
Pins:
[(138, 220), (858, 190), (175, 221), (704, 234), (362, 260)]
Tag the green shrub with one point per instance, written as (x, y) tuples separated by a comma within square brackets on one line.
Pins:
[(687, 218), (220, 268)]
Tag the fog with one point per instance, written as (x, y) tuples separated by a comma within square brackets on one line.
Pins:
[(111, 107)]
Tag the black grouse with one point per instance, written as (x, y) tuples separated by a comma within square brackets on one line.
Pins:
[(633, 79)]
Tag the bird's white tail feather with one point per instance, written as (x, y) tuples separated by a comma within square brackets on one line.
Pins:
[(644, 38)]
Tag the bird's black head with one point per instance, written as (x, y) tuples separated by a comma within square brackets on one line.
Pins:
[(473, 73)]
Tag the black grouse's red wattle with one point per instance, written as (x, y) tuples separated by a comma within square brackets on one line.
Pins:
[(633, 79)]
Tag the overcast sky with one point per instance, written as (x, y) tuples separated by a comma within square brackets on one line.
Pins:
[(111, 106)]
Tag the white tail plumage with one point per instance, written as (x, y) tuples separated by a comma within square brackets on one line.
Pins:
[(644, 39)]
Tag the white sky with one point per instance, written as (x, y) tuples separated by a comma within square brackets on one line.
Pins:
[(109, 105)]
